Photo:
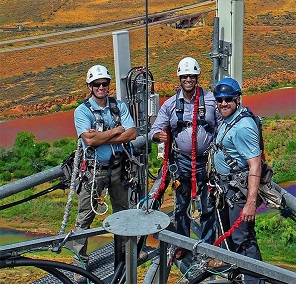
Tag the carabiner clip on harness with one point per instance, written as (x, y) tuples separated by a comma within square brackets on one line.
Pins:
[(99, 199)]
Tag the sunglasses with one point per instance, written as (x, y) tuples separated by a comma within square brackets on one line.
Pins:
[(191, 76), (97, 85), (226, 100)]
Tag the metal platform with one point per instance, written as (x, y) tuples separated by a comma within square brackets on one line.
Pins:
[(101, 264)]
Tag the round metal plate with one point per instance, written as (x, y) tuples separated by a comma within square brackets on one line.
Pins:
[(136, 222)]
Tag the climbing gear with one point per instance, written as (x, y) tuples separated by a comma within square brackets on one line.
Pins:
[(67, 166), (192, 211), (76, 162), (194, 146), (238, 177), (165, 166), (97, 72), (132, 173), (99, 188), (180, 111), (173, 169), (230, 231), (229, 160), (99, 121), (188, 66), (227, 87)]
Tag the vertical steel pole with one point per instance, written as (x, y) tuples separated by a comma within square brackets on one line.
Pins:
[(163, 262), (215, 53), (131, 260)]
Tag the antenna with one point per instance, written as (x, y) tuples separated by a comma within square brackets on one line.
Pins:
[(147, 96)]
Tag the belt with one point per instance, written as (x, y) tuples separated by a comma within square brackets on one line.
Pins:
[(188, 155), (104, 168), (224, 177), (91, 164)]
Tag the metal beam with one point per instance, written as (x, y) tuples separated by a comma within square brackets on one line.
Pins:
[(30, 181), (289, 198), (250, 264), (53, 242)]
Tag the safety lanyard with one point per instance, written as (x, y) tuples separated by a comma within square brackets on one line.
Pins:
[(194, 139)]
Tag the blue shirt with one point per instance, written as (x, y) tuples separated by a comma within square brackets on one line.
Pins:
[(167, 116), (84, 119), (241, 142)]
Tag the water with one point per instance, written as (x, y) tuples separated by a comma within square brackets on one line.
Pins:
[(14, 236), (281, 102)]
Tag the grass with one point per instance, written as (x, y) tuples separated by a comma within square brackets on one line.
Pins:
[(53, 77)]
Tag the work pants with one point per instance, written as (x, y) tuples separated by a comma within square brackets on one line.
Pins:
[(119, 201), (183, 198), (243, 240)]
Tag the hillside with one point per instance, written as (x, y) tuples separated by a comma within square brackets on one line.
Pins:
[(39, 80)]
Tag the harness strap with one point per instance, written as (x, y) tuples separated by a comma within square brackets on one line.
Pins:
[(180, 111), (230, 160), (99, 121)]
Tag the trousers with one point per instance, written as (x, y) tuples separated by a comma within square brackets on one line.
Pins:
[(119, 201), (183, 198), (243, 240)]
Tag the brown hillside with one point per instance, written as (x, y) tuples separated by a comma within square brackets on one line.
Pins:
[(40, 79)]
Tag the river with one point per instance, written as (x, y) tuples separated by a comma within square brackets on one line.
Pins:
[(55, 126)]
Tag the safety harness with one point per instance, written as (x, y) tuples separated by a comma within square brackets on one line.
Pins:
[(180, 112), (199, 108), (89, 166), (238, 177), (99, 122), (230, 160)]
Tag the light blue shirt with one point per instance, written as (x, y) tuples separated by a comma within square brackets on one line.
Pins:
[(84, 119), (241, 142)]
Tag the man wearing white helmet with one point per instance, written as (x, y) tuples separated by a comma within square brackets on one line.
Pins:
[(190, 117), (103, 124)]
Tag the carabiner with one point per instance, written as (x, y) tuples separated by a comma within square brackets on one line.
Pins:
[(192, 211)]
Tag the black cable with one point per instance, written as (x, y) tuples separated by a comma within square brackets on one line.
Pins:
[(151, 176), (61, 185), (23, 261)]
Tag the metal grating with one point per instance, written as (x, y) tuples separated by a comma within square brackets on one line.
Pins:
[(101, 264)]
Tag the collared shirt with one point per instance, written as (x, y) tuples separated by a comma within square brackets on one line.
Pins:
[(167, 116), (241, 142), (84, 119)]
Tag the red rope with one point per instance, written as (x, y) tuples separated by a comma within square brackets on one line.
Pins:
[(193, 153), (230, 231), (165, 165)]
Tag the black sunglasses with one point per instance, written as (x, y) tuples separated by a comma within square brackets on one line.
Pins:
[(226, 100), (97, 85), (191, 76)]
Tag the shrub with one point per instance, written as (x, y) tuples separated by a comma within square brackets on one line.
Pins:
[(5, 176)]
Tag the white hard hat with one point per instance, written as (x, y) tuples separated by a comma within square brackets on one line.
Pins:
[(184, 140), (97, 72), (188, 66)]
